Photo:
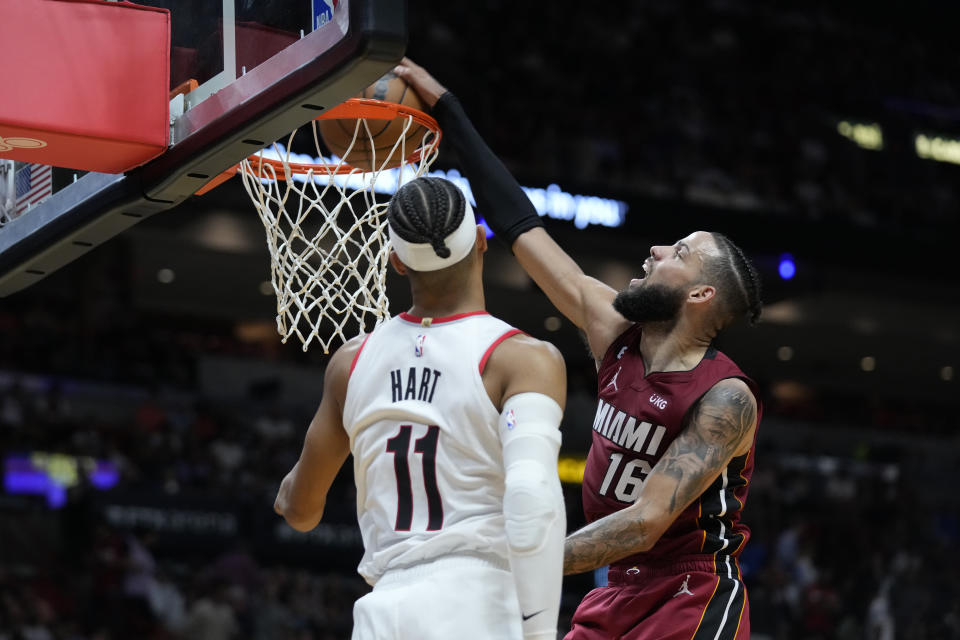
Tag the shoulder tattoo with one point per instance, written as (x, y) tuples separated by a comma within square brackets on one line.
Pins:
[(716, 428)]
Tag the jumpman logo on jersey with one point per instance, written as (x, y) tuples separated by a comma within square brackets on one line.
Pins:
[(614, 380), (684, 588)]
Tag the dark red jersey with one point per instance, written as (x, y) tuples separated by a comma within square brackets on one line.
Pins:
[(638, 416)]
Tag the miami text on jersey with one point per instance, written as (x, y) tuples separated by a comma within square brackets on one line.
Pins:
[(626, 431)]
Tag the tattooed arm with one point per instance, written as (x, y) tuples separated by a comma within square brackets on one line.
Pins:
[(720, 427)]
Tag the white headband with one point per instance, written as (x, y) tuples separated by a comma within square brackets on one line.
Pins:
[(422, 257)]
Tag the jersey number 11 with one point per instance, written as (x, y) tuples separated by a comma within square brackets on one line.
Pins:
[(399, 446)]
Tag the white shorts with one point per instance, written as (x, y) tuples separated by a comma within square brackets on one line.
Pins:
[(452, 598)]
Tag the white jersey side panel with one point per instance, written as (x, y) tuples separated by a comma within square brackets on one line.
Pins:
[(428, 461)]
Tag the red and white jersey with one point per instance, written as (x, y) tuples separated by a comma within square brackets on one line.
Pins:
[(427, 457), (638, 415)]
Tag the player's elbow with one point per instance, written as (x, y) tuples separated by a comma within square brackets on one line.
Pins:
[(645, 544), (654, 523), (302, 520), (530, 507), (300, 523)]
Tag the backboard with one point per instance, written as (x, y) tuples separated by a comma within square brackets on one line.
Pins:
[(256, 70)]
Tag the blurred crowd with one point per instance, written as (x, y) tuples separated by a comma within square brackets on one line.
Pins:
[(728, 103), (121, 590), (852, 531), (733, 103), (851, 546)]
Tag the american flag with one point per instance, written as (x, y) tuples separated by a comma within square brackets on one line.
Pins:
[(34, 183)]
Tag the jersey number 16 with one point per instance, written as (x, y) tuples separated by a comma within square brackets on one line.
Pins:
[(627, 488)]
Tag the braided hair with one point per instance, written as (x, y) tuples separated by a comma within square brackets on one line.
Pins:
[(736, 280), (425, 211)]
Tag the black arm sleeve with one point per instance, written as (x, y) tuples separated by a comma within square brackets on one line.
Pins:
[(500, 200)]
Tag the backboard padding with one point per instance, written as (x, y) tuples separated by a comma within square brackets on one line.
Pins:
[(281, 94)]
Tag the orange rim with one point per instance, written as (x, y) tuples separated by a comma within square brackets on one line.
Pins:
[(352, 109)]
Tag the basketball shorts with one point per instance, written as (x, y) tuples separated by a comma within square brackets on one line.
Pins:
[(451, 598), (685, 601)]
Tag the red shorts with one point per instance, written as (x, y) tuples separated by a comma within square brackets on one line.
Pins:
[(686, 601)]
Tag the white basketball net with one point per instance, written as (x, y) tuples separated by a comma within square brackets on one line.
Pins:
[(327, 233)]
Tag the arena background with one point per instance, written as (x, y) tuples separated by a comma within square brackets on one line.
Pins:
[(826, 133)]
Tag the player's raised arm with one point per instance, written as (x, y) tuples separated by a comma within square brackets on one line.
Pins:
[(303, 492), (585, 301), (721, 426), (526, 379)]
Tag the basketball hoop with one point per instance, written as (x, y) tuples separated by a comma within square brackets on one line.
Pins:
[(326, 225)]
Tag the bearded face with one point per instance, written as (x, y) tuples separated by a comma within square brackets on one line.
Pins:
[(647, 302)]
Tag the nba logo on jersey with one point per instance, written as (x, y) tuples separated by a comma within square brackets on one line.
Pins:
[(511, 420), (323, 12), (418, 345)]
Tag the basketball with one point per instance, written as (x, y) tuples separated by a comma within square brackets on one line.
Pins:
[(370, 150)]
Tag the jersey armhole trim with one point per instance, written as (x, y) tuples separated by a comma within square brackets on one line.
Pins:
[(357, 354), (496, 343)]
